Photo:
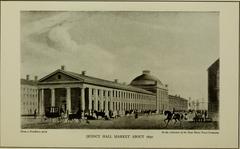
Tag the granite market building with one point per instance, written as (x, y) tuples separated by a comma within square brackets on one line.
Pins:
[(73, 91)]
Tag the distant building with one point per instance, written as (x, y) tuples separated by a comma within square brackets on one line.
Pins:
[(201, 105), (29, 96), (213, 90), (177, 103), (191, 104)]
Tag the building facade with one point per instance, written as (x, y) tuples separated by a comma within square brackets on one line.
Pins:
[(72, 92), (29, 96), (213, 90), (177, 103)]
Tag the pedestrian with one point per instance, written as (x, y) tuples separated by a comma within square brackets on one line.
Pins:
[(205, 115), (136, 115), (35, 113)]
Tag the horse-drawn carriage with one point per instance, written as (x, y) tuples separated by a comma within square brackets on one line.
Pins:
[(56, 112), (199, 117), (52, 112)]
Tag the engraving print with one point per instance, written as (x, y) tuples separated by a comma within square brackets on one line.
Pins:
[(119, 70)]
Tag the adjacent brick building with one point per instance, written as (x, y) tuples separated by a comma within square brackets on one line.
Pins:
[(29, 96), (213, 90)]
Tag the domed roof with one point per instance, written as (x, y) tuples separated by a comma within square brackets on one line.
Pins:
[(145, 79)]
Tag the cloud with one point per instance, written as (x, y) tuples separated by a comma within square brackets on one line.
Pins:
[(48, 42), (60, 39)]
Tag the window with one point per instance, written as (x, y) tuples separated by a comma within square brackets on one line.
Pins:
[(59, 76), (92, 91)]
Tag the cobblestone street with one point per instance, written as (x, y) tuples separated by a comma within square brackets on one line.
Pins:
[(125, 122)]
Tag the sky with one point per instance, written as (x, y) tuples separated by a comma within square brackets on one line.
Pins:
[(177, 47)]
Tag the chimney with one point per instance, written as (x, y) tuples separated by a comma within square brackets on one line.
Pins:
[(116, 80), (27, 77), (36, 78), (83, 73), (146, 71), (62, 67)]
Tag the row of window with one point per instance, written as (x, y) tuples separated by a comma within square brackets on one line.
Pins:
[(121, 94), (30, 90), (30, 95), (29, 111), (124, 106), (29, 103), (130, 106)]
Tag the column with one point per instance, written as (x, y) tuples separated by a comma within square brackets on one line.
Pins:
[(82, 99), (106, 103), (53, 97), (42, 110), (69, 107), (101, 100), (90, 100), (95, 100), (111, 101)]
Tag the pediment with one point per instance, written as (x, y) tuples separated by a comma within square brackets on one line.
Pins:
[(60, 77)]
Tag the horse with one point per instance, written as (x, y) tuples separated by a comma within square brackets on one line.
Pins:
[(77, 116), (102, 114), (148, 112), (175, 116), (153, 111), (129, 112)]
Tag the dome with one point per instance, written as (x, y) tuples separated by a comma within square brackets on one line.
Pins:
[(145, 79)]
